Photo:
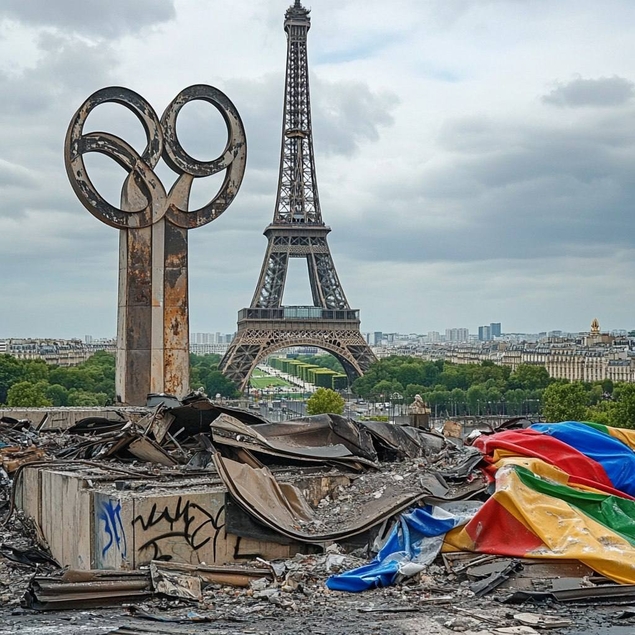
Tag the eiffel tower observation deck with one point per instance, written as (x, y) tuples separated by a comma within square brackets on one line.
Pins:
[(297, 231)]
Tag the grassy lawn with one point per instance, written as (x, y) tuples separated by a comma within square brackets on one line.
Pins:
[(262, 380)]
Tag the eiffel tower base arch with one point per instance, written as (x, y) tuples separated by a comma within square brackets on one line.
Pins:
[(255, 341)]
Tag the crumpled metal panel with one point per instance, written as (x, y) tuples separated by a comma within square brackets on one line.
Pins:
[(282, 507)]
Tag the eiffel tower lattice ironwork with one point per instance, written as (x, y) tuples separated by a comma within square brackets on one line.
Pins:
[(297, 231)]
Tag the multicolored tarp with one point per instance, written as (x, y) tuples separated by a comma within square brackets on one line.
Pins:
[(562, 490), (593, 455), (414, 542), (533, 516)]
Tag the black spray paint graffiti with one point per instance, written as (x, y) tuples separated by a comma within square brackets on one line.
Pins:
[(196, 525), (111, 515)]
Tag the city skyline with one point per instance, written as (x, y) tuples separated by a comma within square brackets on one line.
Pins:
[(474, 161), (449, 334)]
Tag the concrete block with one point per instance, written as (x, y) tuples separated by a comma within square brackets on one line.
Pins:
[(64, 418), (92, 522), (65, 517), (184, 527), (112, 539)]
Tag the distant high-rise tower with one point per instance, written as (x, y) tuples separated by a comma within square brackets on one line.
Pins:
[(484, 333), (297, 231)]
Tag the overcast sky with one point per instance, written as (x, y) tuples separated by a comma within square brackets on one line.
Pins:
[(475, 158)]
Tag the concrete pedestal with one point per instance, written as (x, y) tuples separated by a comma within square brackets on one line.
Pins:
[(420, 420), (89, 523)]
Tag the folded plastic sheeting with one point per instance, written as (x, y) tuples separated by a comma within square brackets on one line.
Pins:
[(534, 444), (414, 542), (563, 491), (609, 447), (534, 513)]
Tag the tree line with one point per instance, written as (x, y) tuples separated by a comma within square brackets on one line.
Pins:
[(487, 389), (449, 389), (455, 389), (36, 384)]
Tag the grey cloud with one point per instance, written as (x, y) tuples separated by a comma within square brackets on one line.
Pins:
[(16, 176), (557, 191), (477, 134), (601, 92), (59, 82), (346, 114), (259, 103), (110, 19), (37, 106)]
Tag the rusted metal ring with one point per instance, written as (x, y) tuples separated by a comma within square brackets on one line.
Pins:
[(233, 158), (140, 168), (162, 140)]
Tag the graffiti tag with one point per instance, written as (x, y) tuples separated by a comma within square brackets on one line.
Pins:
[(111, 515), (187, 520)]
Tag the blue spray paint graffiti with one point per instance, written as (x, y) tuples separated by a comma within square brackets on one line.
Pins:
[(111, 515)]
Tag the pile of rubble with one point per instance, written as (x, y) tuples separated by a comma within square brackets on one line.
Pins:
[(389, 485)]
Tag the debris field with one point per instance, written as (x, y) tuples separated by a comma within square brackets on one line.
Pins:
[(192, 516)]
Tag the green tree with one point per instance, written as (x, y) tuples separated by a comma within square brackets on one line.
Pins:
[(458, 400), (411, 391), (11, 372), (86, 399), (594, 393), (58, 395), (438, 400), (454, 377), (325, 400), (215, 383), (410, 374), (432, 371), (35, 370), (493, 396), (514, 400), (26, 394), (383, 387), (210, 360), (529, 377), (565, 402), (204, 373), (477, 399), (624, 412), (603, 412)]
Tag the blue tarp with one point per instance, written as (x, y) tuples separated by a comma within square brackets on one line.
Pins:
[(414, 542), (617, 459)]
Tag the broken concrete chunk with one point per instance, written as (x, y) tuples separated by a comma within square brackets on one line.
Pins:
[(175, 584), (542, 621)]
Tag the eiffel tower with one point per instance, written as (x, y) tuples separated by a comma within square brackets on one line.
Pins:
[(297, 231)]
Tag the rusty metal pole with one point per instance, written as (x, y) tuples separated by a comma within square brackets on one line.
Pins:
[(153, 314)]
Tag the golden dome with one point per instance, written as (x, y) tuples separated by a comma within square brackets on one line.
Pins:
[(595, 326)]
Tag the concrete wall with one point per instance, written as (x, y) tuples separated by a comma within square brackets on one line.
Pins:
[(64, 418), (92, 525)]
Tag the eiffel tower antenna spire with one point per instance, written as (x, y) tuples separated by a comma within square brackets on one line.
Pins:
[(297, 231)]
